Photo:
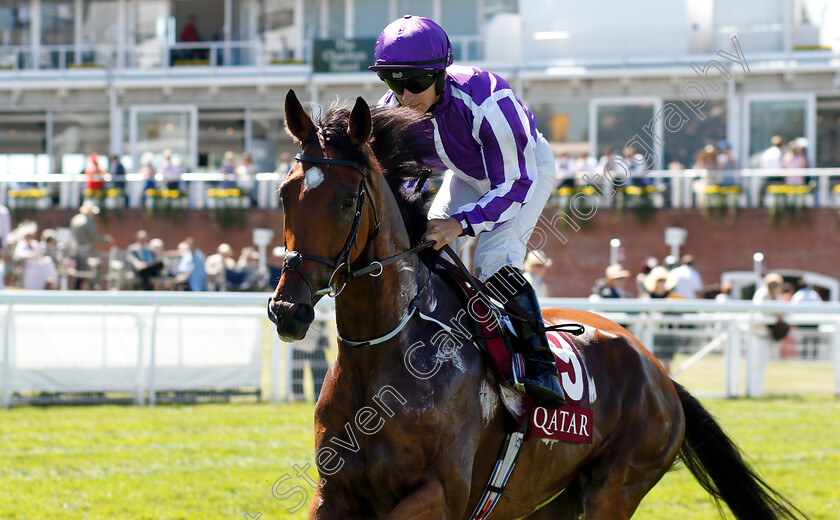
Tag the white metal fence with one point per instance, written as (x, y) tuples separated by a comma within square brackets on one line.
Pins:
[(674, 188), (145, 345)]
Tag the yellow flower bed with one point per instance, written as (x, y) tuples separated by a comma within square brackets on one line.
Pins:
[(163, 194), (786, 189), (223, 193), (714, 189), (33, 193)]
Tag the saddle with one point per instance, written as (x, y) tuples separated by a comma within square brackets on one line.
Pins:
[(490, 329)]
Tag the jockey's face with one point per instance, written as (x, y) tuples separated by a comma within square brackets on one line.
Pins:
[(419, 102)]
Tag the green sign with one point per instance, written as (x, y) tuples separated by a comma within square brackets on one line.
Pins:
[(342, 55)]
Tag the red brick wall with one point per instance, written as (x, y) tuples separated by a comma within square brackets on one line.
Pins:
[(198, 224), (717, 245)]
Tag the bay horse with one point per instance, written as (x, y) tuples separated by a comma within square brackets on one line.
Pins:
[(394, 445)]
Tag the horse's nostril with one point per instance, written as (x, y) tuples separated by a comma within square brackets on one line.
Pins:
[(303, 313)]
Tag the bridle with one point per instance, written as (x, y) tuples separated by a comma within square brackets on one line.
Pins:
[(294, 259)]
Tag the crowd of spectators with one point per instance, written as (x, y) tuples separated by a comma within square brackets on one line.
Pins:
[(718, 161), (680, 280), (39, 261), (165, 173)]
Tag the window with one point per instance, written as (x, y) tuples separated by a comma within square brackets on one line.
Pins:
[(785, 118)]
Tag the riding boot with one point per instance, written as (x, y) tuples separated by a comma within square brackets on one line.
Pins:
[(541, 380)]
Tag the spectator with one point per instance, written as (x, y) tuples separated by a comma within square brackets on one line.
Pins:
[(228, 169), (536, 264), (49, 244), (613, 283), (686, 280), (190, 270), (795, 159), (142, 259), (249, 265), (771, 158), (171, 170), (787, 291), (94, 174), (147, 173), (84, 237), (216, 265), (117, 172), (189, 34), (584, 170), (707, 161), (285, 164), (564, 174), (157, 247), (805, 293), (39, 270), (246, 176), (659, 285), (725, 293), (727, 163), (649, 264), (767, 337), (606, 163), (638, 167), (707, 158)]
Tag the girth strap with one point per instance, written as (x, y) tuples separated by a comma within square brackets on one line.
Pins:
[(501, 474)]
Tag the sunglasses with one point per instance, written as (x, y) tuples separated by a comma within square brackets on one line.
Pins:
[(414, 85)]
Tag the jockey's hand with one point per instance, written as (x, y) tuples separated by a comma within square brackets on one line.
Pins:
[(443, 231)]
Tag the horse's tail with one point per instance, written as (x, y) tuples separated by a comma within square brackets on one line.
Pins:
[(717, 464)]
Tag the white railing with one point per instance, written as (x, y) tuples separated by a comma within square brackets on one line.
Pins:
[(145, 342), (151, 54), (69, 190), (613, 48), (676, 188)]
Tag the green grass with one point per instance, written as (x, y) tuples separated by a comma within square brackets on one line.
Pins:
[(219, 461)]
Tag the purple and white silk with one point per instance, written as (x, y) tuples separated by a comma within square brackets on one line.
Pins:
[(489, 140)]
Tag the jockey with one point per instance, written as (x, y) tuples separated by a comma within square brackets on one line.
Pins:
[(500, 171)]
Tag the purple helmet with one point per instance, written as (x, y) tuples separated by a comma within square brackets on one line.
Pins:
[(412, 42)]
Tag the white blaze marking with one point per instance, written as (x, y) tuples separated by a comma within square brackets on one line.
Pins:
[(314, 178)]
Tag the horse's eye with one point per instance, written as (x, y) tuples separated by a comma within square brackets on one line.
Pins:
[(349, 201)]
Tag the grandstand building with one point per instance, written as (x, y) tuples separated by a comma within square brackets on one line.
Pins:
[(205, 76)]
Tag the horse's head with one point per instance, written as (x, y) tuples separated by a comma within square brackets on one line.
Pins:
[(328, 221)]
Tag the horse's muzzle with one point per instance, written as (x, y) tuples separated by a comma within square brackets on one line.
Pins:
[(292, 319)]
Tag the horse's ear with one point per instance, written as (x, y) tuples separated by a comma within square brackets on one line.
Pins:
[(298, 123), (359, 125)]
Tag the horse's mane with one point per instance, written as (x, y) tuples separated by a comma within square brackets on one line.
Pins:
[(398, 142)]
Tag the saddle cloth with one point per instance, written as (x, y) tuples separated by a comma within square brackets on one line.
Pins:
[(572, 422)]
